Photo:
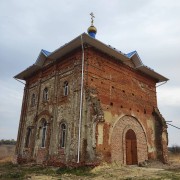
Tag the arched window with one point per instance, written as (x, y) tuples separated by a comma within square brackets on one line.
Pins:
[(44, 129), (28, 135), (65, 88), (63, 135), (33, 100), (45, 94)]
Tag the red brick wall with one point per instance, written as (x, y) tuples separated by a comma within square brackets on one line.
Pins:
[(122, 91)]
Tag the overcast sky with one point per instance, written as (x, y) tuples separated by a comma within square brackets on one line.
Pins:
[(150, 27)]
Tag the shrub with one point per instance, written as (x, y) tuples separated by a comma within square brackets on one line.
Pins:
[(7, 142)]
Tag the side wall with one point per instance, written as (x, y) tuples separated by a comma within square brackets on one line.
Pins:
[(56, 110), (115, 90)]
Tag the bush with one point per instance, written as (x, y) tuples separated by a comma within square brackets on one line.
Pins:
[(7, 142)]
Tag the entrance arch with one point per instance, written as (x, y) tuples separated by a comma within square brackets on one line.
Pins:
[(131, 147), (122, 131)]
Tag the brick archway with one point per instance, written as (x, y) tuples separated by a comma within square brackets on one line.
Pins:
[(118, 139)]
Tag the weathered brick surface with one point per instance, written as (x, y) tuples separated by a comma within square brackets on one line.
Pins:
[(115, 98), (118, 144), (123, 91)]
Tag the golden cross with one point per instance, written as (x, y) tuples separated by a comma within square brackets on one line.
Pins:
[(92, 20)]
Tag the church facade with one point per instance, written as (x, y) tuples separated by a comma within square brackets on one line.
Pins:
[(87, 103)]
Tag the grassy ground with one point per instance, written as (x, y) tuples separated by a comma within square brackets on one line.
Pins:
[(154, 170), (113, 171)]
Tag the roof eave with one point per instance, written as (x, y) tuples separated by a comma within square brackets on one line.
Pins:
[(27, 72), (140, 66), (85, 38), (77, 42), (31, 69), (66, 48), (105, 48), (152, 74)]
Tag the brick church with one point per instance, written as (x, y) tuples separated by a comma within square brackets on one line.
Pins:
[(87, 102)]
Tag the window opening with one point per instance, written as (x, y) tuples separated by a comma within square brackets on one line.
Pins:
[(33, 100), (28, 134), (44, 128), (45, 94), (63, 135), (65, 88)]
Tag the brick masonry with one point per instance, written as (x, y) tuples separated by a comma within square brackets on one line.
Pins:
[(116, 97), (118, 144)]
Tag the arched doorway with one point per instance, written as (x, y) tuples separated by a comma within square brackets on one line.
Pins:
[(131, 147), (118, 139)]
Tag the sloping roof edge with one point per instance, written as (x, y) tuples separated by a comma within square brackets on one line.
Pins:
[(85, 38), (36, 66), (152, 73), (24, 74), (145, 69)]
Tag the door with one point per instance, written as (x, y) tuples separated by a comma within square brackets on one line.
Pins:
[(131, 147)]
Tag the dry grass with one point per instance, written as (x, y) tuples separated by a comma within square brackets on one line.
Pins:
[(174, 158), (155, 170), (6, 153)]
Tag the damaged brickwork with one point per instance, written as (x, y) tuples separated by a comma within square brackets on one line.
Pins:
[(116, 98)]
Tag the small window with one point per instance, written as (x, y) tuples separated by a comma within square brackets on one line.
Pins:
[(63, 135), (44, 128), (45, 94), (65, 88), (33, 100), (28, 135)]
